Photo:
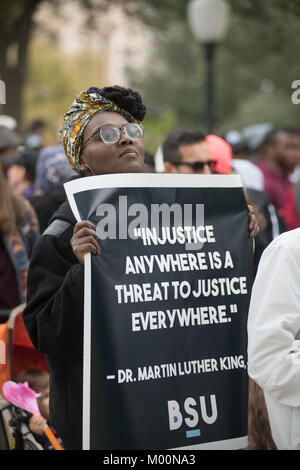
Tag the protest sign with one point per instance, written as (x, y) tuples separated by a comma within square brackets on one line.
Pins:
[(166, 307)]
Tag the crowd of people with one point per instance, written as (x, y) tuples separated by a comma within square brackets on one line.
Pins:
[(38, 229)]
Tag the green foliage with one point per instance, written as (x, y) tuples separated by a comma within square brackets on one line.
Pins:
[(254, 67), (157, 127), (54, 79)]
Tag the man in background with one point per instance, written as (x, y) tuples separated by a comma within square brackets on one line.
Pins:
[(281, 157), (188, 152)]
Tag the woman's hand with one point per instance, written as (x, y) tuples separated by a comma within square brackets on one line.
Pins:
[(84, 240), (253, 224)]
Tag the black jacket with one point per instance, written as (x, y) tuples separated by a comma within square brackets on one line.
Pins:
[(54, 320)]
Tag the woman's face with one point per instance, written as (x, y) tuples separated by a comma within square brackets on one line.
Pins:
[(126, 156)]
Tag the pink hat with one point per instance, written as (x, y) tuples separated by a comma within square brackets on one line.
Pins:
[(221, 152)]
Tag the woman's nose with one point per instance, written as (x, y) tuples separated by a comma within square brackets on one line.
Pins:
[(124, 139)]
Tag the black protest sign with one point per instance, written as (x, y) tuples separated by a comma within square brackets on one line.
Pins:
[(166, 306)]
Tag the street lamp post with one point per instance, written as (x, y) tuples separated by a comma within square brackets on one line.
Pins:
[(208, 20), (209, 51)]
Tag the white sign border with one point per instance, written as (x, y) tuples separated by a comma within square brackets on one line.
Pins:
[(147, 180)]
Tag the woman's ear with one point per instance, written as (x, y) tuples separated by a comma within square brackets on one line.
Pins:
[(82, 166)]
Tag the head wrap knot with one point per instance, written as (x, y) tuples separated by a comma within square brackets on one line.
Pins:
[(81, 111)]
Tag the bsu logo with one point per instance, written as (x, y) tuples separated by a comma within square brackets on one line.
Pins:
[(192, 411)]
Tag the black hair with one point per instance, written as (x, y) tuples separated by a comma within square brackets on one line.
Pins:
[(270, 137), (171, 144), (125, 98), (27, 158), (37, 124), (292, 130)]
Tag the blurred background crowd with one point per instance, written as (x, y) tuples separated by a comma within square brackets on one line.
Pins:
[(52, 49)]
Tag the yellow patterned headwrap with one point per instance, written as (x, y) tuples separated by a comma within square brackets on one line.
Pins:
[(81, 111)]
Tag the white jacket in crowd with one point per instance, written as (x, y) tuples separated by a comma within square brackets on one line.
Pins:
[(274, 336)]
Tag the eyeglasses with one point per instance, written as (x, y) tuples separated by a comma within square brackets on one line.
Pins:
[(111, 134), (198, 165)]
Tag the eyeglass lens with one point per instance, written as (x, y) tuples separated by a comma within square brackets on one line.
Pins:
[(134, 131), (111, 134)]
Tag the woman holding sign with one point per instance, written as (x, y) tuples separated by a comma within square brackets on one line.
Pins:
[(102, 134)]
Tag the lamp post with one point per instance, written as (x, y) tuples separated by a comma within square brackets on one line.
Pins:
[(208, 20)]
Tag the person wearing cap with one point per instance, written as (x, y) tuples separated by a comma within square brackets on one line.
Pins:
[(250, 174), (8, 121)]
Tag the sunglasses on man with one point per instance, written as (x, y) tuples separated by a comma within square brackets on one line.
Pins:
[(198, 165), (111, 134)]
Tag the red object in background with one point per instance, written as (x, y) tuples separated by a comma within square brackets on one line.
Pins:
[(221, 152), (289, 211), (24, 356)]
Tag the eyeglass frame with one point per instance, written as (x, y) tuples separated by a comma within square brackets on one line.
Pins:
[(98, 131)]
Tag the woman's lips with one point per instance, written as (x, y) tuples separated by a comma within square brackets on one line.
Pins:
[(128, 152)]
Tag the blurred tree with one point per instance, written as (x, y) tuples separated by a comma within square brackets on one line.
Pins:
[(53, 79), (16, 27), (258, 54), (255, 65)]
